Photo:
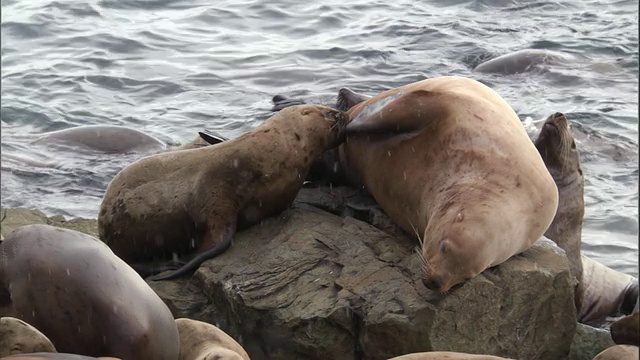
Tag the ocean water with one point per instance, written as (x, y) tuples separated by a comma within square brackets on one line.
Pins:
[(171, 68)]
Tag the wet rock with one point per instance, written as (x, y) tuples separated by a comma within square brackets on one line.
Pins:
[(589, 342), (317, 283), (309, 284)]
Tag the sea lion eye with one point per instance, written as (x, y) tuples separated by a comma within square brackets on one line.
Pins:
[(573, 144), (443, 247)]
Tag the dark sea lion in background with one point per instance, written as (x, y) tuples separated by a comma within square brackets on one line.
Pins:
[(446, 355), (626, 331), (203, 341), (619, 352), (524, 60), (56, 356), (557, 147), (607, 293), (448, 160), (79, 294), (174, 201), (106, 138), (17, 337)]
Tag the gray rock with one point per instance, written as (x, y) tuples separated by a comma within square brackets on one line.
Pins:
[(589, 342), (309, 284), (314, 284)]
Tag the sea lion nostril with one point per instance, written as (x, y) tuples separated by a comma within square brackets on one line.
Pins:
[(432, 283)]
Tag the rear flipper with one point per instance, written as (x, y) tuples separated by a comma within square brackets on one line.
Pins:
[(280, 102), (348, 99), (212, 137), (215, 242), (145, 270)]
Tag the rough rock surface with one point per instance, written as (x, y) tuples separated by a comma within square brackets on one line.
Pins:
[(317, 283)]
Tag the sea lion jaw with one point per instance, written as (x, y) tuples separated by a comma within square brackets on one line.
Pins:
[(320, 118), (557, 147), (446, 270), (452, 260)]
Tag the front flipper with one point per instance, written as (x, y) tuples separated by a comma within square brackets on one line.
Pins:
[(212, 137), (399, 112), (280, 102), (348, 99), (216, 241)]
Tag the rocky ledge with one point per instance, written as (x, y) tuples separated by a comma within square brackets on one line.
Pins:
[(318, 283)]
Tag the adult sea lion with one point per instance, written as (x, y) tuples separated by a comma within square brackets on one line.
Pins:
[(106, 138), (448, 159), (446, 355), (84, 298), (203, 341), (171, 202), (619, 352), (557, 147), (607, 292), (626, 331), (523, 60), (17, 337)]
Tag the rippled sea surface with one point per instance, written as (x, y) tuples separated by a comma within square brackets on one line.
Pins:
[(171, 68)]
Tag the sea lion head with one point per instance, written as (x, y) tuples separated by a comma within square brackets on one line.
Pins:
[(626, 330), (327, 124), (557, 147), (451, 254)]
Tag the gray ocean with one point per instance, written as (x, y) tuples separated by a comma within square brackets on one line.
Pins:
[(171, 68)]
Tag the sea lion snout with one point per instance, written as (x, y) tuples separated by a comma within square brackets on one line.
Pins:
[(340, 119), (432, 283)]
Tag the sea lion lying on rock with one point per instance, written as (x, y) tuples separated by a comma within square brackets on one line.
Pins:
[(175, 201)]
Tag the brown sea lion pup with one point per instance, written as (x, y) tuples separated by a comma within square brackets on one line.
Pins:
[(203, 341), (449, 160), (626, 331), (56, 356), (17, 337), (619, 352), (85, 299), (172, 202), (446, 355), (557, 147)]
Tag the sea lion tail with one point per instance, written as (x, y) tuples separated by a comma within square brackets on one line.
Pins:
[(194, 263)]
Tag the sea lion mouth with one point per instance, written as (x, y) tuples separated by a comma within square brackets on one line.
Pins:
[(340, 119)]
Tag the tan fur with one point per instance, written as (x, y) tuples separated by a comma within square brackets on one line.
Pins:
[(17, 337), (557, 147), (446, 355), (462, 170), (175, 201), (619, 352), (203, 341)]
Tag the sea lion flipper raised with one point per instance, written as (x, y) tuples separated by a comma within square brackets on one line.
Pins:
[(348, 98), (212, 137), (214, 243), (280, 102), (395, 113)]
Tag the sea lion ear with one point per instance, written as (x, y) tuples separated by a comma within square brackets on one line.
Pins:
[(211, 137)]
